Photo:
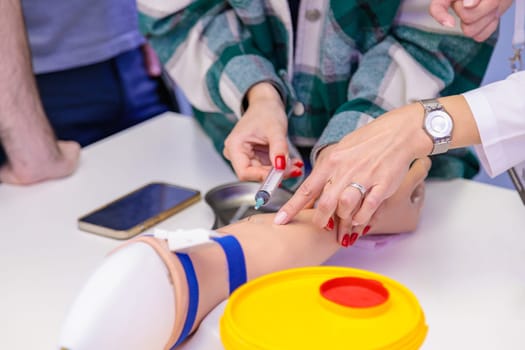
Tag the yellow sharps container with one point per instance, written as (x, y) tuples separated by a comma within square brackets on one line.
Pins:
[(322, 308)]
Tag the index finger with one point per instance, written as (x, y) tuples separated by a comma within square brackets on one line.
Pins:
[(304, 196)]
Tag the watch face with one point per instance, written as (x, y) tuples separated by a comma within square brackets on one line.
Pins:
[(438, 124)]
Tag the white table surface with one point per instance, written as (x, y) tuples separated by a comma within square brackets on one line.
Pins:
[(465, 262)]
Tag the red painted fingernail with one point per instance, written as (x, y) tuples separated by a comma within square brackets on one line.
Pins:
[(366, 229), (330, 225), (296, 173), (280, 162), (353, 238), (346, 240), (298, 164)]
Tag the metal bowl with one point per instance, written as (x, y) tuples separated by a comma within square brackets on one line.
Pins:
[(234, 201)]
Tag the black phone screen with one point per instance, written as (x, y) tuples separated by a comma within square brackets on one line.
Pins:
[(140, 205)]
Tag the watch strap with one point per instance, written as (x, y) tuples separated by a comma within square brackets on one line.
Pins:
[(440, 146), (431, 104)]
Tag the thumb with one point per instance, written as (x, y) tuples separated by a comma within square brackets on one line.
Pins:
[(71, 152), (439, 10)]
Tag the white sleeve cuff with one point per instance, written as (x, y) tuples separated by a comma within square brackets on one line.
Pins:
[(491, 153)]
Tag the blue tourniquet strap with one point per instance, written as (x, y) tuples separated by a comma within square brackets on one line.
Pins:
[(235, 258), (193, 302)]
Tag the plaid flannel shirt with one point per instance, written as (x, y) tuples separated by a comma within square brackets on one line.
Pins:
[(352, 60)]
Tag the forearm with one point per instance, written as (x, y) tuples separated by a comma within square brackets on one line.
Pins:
[(212, 55), (24, 130), (411, 138), (409, 64), (268, 247)]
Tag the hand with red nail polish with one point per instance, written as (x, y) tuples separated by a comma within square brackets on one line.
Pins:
[(259, 139), (401, 211)]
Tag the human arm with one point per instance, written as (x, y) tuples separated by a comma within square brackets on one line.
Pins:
[(490, 117), (414, 59), (478, 18), (210, 50), (33, 153), (145, 284), (226, 63), (499, 110), (260, 137), (379, 155), (166, 296)]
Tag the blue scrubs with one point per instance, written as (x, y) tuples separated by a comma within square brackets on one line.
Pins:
[(89, 103)]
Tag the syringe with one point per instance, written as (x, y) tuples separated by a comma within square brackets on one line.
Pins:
[(269, 185)]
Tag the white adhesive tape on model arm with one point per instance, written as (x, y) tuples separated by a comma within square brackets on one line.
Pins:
[(181, 239)]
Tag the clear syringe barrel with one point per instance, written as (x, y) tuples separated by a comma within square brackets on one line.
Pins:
[(270, 184)]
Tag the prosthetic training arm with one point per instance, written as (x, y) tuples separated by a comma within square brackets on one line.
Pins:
[(144, 296)]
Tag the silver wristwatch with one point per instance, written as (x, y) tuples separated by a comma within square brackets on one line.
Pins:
[(438, 125)]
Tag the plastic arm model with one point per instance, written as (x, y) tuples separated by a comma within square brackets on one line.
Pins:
[(144, 296)]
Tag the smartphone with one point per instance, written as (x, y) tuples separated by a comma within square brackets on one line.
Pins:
[(136, 211)]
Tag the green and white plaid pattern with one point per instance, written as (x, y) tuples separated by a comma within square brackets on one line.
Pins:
[(353, 60)]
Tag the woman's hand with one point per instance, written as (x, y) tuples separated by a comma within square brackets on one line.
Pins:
[(400, 212), (479, 18), (377, 156), (260, 136)]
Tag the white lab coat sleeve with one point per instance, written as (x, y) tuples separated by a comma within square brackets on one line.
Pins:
[(499, 111)]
